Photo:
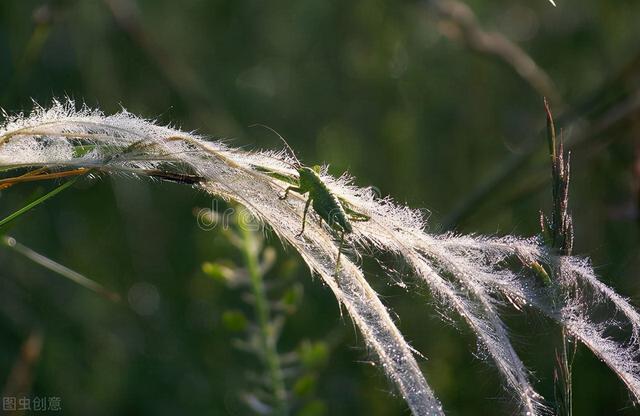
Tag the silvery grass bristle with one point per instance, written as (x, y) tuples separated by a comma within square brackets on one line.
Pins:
[(471, 276)]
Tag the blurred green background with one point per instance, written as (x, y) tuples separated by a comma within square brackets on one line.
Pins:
[(419, 99)]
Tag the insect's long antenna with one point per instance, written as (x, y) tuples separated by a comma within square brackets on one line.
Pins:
[(293, 154)]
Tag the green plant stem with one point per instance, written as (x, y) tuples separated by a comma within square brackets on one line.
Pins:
[(560, 236), (568, 365), (267, 336)]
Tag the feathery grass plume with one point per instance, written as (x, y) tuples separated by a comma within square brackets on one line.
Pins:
[(473, 277), (62, 138)]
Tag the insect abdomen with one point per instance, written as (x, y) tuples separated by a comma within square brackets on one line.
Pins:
[(325, 204), (330, 209)]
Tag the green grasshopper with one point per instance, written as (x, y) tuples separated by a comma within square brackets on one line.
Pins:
[(329, 207)]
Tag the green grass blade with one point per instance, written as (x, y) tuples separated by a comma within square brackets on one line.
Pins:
[(37, 202), (58, 268)]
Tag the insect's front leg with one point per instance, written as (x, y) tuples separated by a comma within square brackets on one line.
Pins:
[(291, 188)]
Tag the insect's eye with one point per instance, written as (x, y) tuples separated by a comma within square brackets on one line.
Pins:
[(316, 169)]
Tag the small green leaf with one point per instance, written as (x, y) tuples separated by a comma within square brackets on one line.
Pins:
[(305, 385), (292, 297), (83, 149), (313, 408), (313, 354), (218, 271), (234, 321), (541, 273)]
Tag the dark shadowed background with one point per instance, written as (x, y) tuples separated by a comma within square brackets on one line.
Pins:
[(436, 104)]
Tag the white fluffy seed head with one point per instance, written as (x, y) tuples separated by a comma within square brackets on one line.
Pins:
[(471, 276)]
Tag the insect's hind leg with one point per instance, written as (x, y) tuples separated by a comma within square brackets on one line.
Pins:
[(304, 216), (359, 218), (335, 273), (353, 215)]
